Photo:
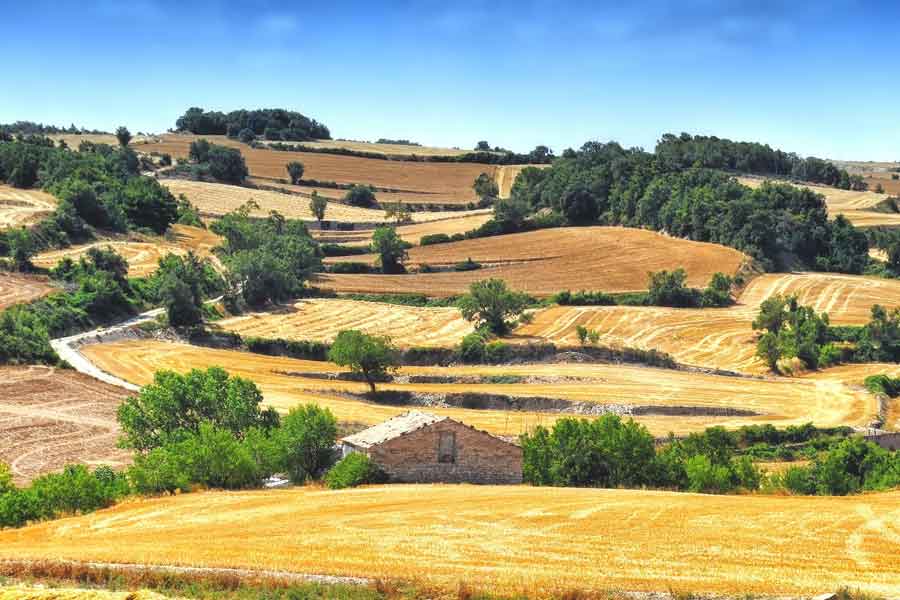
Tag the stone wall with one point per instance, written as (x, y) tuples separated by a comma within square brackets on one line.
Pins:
[(888, 441), (479, 457)]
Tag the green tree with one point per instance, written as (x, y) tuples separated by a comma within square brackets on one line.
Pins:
[(317, 206), (6, 481), (667, 288), (295, 171), (227, 164), (510, 214), (21, 248), (486, 188), (579, 205), (353, 470), (199, 150), (483, 146), (491, 304), (391, 250), (174, 403), (360, 195), (398, 212), (181, 309), (306, 441), (371, 356), (123, 135)]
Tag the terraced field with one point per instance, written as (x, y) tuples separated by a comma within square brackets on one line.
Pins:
[(718, 338), (856, 206), (322, 319), (286, 382), (142, 254), (509, 540), (21, 207), (446, 183), (612, 259), (16, 288), (50, 418)]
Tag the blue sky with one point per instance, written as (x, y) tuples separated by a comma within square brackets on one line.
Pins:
[(817, 78)]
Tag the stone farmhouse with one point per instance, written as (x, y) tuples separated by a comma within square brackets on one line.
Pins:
[(419, 447)]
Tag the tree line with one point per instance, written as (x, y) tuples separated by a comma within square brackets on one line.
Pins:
[(247, 125)]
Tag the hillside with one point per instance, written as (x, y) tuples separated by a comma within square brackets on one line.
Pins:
[(508, 540), (23, 207), (17, 287)]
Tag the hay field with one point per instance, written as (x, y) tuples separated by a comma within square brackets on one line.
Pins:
[(413, 233), (446, 182), (141, 253), (17, 287), (612, 259), (506, 539), (720, 338), (856, 206), (285, 384), (322, 319), (22, 207), (387, 149), (856, 375), (52, 417)]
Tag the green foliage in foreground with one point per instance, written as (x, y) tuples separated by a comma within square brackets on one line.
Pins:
[(882, 384), (353, 470)]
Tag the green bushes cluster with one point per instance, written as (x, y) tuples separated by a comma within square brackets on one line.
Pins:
[(271, 123), (340, 250), (478, 347), (666, 288), (351, 267), (882, 384), (353, 470)]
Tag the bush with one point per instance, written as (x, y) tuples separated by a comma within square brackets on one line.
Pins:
[(434, 238), (467, 265), (583, 298), (472, 348), (227, 164), (703, 476), (350, 267), (360, 195), (353, 470), (339, 250), (306, 442)]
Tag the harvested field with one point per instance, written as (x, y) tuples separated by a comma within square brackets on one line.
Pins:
[(322, 319), (216, 199), (506, 539), (856, 375), (16, 288), (141, 253), (74, 139), (386, 149), (22, 207), (285, 384), (413, 233), (505, 176), (48, 593), (449, 183), (544, 262), (417, 200), (856, 206), (720, 338), (52, 417)]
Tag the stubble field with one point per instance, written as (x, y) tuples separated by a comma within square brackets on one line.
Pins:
[(16, 288), (509, 540), (23, 207), (51, 417), (544, 262)]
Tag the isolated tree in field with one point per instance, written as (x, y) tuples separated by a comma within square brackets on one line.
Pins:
[(317, 206), (246, 135), (295, 171), (491, 304), (398, 212), (391, 250), (360, 195), (486, 188), (483, 146), (123, 135), (371, 356), (174, 403)]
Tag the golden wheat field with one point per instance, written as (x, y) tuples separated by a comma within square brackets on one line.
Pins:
[(322, 319), (17, 288), (544, 262), (716, 337), (285, 382), (387, 149), (449, 183), (21, 592), (856, 206), (540, 541), (22, 207), (74, 139)]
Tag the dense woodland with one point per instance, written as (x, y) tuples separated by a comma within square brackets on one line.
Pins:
[(268, 123), (32, 128)]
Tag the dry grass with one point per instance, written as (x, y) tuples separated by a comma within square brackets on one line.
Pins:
[(387, 149), (22, 207), (722, 337), (506, 539), (50, 418), (856, 375), (856, 206), (780, 401), (612, 259), (322, 319), (74, 139), (141, 252), (17, 288), (445, 182), (21, 592)]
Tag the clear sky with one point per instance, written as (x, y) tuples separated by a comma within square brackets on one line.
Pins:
[(818, 78)]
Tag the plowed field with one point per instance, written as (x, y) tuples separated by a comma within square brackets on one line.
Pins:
[(50, 418), (16, 288), (322, 320), (611, 259), (719, 338), (446, 182), (21, 207), (783, 401), (508, 540)]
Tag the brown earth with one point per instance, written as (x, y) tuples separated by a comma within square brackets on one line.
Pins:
[(16, 288), (22, 207)]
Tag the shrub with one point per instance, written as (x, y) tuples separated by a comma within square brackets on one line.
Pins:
[(471, 348), (434, 238), (467, 265), (18, 507), (703, 476), (353, 470), (306, 441), (295, 171), (360, 195), (350, 267), (227, 164)]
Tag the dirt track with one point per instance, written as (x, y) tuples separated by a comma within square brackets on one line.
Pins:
[(508, 540)]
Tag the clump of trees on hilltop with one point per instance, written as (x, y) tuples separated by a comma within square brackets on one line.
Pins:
[(268, 123)]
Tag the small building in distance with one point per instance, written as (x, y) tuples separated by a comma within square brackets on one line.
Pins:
[(420, 447)]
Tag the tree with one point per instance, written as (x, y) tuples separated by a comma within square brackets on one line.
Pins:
[(181, 309), (199, 150), (579, 206), (174, 403), (486, 188), (227, 164), (360, 195), (490, 304), (246, 135), (667, 288), (317, 206), (21, 248), (305, 441), (483, 146), (123, 135), (398, 211), (371, 356), (391, 250), (295, 171), (510, 214), (879, 189)]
